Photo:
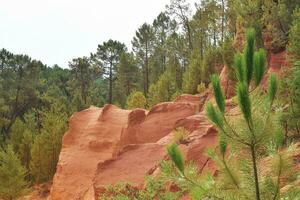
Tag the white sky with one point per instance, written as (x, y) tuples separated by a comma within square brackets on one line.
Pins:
[(55, 31)]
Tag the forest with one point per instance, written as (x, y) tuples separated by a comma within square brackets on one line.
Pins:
[(178, 53)]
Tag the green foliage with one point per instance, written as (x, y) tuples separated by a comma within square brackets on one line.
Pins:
[(22, 136), (239, 67), (218, 93), (108, 54), (244, 101), (278, 138), (211, 63), (162, 90), (249, 54), (294, 36), (213, 115), (136, 100), (192, 76), (228, 52), (19, 86), (142, 45), (176, 157), (82, 71), (201, 88), (259, 66), (46, 146), (250, 133), (176, 94), (289, 96), (127, 77), (228, 56), (251, 65), (12, 175), (277, 18), (272, 88), (155, 188), (222, 144), (180, 136)]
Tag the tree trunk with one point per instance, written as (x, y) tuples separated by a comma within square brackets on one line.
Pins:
[(146, 72), (223, 20), (201, 43), (189, 34), (253, 156), (83, 94), (110, 84)]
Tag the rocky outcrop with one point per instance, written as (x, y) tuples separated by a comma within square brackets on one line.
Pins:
[(87, 142), (277, 61), (227, 83), (199, 100), (158, 122), (130, 166), (107, 145)]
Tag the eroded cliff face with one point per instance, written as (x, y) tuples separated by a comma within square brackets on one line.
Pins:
[(107, 145)]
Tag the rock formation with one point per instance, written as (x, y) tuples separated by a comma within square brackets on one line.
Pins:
[(107, 145)]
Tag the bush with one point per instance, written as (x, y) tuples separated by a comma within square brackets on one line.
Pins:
[(201, 88), (180, 136), (136, 99)]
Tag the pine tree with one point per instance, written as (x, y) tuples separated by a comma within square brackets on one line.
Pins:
[(142, 45), (251, 68), (180, 10), (12, 175), (192, 76), (162, 90), (22, 136), (47, 145), (82, 72), (109, 54), (128, 77)]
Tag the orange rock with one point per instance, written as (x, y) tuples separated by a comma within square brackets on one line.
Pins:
[(227, 84), (88, 141), (157, 123), (109, 144), (277, 63), (198, 100), (130, 166)]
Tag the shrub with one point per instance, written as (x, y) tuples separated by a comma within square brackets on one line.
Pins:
[(136, 99)]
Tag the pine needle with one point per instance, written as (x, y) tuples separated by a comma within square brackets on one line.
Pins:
[(239, 68), (219, 96), (213, 115), (259, 66), (248, 54), (272, 88), (244, 101), (176, 156)]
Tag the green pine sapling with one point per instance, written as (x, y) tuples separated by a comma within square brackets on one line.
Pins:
[(252, 132), (250, 69)]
